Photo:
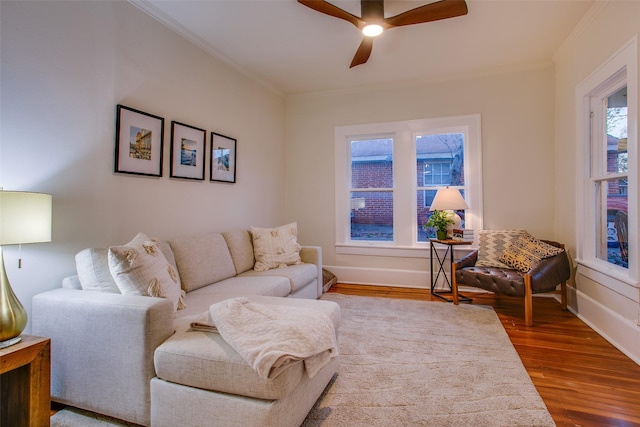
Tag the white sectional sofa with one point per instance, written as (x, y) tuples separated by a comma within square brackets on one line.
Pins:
[(104, 342)]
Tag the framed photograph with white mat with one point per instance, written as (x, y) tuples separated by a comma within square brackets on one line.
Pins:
[(223, 158), (187, 151), (139, 139)]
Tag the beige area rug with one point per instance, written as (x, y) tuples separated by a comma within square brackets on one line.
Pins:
[(413, 363), (417, 363), (74, 417)]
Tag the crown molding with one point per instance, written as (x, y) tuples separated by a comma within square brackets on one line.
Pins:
[(594, 12)]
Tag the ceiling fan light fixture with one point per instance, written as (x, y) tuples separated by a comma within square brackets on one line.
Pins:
[(372, 30)]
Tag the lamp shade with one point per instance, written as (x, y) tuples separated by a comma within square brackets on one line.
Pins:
[(448, 199), (24, 217)]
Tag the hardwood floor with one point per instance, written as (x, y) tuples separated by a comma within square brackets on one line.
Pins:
[(583, 379)]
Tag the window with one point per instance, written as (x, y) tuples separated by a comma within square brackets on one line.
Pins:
[(609, 175), (387, 175), (608, 191)]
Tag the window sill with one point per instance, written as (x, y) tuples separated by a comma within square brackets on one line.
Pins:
[(421, 251), (613, 279)]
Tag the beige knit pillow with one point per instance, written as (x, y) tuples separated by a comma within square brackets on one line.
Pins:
[(275, 247), (140, 268)]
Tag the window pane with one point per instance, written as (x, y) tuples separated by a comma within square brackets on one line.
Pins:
[(440, 159), (372, 215), (612, 224), (617, 132), (439, 163), (372, 163)]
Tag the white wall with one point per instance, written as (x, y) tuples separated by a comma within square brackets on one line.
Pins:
[(517, 109), (65, 66), (613, 313)]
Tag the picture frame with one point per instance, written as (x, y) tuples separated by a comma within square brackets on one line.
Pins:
[(139, 142), (222, 158), (187, 156)]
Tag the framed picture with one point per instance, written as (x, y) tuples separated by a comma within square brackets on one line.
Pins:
[(223, 158), (187, 151), (139, 138)]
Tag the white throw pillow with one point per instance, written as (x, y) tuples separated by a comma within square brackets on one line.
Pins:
[(275, 247), (140, 268), (92, 265)]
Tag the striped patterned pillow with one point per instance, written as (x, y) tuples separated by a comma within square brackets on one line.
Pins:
[(491, 245)]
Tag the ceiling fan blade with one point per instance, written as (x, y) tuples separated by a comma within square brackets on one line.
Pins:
[(363, 52), (442, 9), (327, 8)]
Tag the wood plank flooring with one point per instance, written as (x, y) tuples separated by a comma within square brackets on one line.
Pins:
[(583, 380)]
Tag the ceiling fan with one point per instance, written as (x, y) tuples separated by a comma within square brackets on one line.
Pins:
[(373, 22)]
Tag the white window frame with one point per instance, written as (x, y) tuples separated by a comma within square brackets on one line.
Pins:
[(404, 180), (620, 69)]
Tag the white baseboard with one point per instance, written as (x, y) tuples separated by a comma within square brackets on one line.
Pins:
[(394, 277), (621, 332), (381, 277)]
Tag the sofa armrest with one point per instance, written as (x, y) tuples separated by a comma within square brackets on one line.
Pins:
[(313, 255), (102, 347), (550, 272)]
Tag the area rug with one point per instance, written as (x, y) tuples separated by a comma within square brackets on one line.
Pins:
[(413, 363), (417, 363)]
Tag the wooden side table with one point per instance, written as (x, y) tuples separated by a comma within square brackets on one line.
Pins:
[(25, 383), (441, 267)]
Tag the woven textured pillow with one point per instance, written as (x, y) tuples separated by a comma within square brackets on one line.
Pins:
[(491, 244), (527, 251), (140, 268), (275, 247)]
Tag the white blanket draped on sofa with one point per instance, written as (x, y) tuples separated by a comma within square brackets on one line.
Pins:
[(269, 337)]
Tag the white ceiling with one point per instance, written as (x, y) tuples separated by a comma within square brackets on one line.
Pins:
[(294, 49)]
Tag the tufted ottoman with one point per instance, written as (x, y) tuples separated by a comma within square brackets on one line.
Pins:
[(200, 380)]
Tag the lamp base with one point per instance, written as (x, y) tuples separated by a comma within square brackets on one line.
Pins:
[(13, 317), (11, 341)]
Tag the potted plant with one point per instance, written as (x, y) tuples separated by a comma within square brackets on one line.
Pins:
[(440, 220)]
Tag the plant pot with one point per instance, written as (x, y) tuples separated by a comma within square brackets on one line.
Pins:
[(441, 235)]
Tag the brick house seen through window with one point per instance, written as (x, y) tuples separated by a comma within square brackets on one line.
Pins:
[(439, 161)]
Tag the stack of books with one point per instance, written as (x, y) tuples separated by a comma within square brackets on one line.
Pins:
[(465, 234)]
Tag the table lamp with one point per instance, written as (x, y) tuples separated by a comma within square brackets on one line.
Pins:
[(24, 218), (450, 200)]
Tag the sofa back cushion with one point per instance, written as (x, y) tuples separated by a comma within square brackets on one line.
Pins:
[(202, 260), (241, 249)]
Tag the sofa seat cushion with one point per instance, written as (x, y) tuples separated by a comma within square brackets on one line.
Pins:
[(299, 275), (200, 300), (204, 360)]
